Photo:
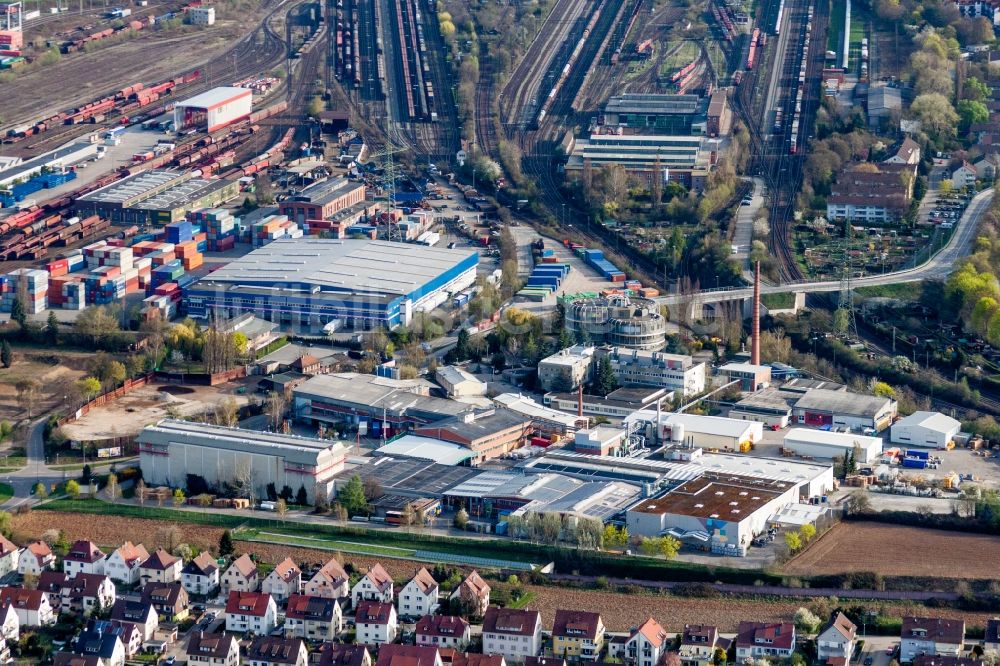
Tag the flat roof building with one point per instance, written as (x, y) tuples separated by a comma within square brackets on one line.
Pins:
[(323, 200), (820, 407), (724, 512), (488, 433), (214, 109), (171, 450), (459, 383), (408, 477), (696, 431), (566, 369), (426, 448), (616, 405), (377, 402), (312, 282), (546, 420), (54, 159), (636, 367), (160, 196), (751, 377)]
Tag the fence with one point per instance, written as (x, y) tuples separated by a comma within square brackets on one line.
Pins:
[(202, 378), (105, 398)]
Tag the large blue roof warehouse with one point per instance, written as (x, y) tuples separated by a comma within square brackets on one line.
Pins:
[(310, 282)]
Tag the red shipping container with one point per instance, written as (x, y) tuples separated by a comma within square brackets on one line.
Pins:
[(163, 258), (116, 242), (618, 277), (166, 289), (224, 244)]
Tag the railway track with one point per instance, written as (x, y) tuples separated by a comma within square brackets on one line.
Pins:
[(486, 131)]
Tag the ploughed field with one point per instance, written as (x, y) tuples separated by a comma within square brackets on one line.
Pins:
[(898, 550)]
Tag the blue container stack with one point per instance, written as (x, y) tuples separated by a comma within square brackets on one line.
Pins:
[(546, 278), (596, 259), (179, 232), (169, 272)]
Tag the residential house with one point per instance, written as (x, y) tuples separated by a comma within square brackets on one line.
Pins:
[(331, 581), (84, 557), (963, 176), (140, 613), (449, 631), (10, 625), (251, 612), (161, 567), (474, 595), (577, 635), (646, 644), (35, 558), (942, 660), (875, 193), (122, 564), (9, 554), (169, 599), (32, 606), (212, 650), (474, 659), (765, 639), (277, 651), (987, 167), (512, 633), (284, 580), (130, 635), (836, 640), (241, 576), (544, 661), (70, 659), (908, 152), (419, 596), (337, 654), (991, 639), (82, 594), (313, 618), (201, 575), (698, 644), (408, 655), (931, 635), (101, 641), (376, 585), (375, 622)]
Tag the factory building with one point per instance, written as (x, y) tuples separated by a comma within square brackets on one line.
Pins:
[(201, 15), (925, 429), (547, 421), (214, 109), (378, 403), (751, 377), (566, 369), (666, 114), (843, 409), (696, 431), (323, 200), (827, 445), (683, 159), (674, 372), (358, 284), (619, 321), (489, 433), (616, 405), (723, 512), (155, 197), (59, 158), (171, 450), (810, 478)]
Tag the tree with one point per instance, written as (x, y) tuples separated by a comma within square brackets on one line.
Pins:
[(462, 345), (226, 544), (27, 392), (281, 508), (461, 520), (18, 315), (719, 657), (178, 497), (111, 488), (227, 412), (352, 496), (971, 112), (793, 541), (807, 532), (604, 378), (40, 491), (301, 497), (88, 387), (857, 502), (52, 329), (86, 473), (6, 355), (275, 409), (935, 113), (669, 547), (72, 489), (806, 621)]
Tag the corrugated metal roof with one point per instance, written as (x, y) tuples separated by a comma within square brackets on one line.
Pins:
[(214, 96)]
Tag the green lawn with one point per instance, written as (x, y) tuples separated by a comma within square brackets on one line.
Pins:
[(93, 463), (356, 547), (523, 601), (909, 291), (6, 492), (778, 301), (835, 33)]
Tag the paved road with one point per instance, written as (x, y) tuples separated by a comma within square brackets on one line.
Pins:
[(938, 266), (743, 235)]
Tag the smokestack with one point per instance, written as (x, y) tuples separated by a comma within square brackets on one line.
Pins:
[(579, 400), (755, 344)]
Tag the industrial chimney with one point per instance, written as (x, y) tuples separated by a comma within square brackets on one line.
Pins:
[(755, 343)]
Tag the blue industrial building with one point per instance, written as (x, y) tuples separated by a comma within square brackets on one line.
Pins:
[(313, 283)]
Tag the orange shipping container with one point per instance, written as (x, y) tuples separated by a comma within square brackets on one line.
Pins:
[(193, 261)]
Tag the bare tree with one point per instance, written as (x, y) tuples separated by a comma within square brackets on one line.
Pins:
[(227, 412), (243, 481), (27, 393), (275, 409), (112, 489)]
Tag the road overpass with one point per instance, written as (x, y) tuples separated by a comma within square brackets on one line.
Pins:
[(938, 266)]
